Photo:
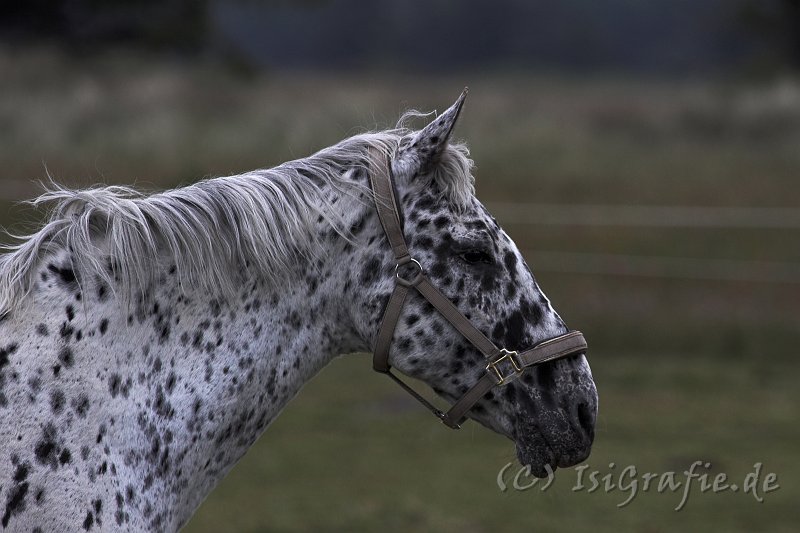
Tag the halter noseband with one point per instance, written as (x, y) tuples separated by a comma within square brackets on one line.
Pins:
[(503, 366)]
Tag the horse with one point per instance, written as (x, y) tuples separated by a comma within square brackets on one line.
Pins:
[(148, 339)]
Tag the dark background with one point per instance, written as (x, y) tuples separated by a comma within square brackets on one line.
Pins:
[(659, 37)]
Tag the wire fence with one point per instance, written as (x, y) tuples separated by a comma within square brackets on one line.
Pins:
[(664, 267), (647, 216), (690, 217)]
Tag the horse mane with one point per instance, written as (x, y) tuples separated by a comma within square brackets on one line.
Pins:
[(262, 219)]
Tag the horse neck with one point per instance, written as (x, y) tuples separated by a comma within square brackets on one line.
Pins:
[(183, 382), (244, 359)]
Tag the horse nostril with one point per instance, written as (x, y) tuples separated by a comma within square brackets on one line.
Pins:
[(586, 419)]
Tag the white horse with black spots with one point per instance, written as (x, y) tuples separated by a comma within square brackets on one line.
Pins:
[(146, 341)]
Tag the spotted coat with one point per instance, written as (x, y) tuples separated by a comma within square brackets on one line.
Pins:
[(124, 417)]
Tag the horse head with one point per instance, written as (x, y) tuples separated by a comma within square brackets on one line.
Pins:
[(550, 410)]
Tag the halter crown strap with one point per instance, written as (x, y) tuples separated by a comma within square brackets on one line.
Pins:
[(386, 204), (503, 366)]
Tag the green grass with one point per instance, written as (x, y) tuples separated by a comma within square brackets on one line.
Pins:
[(687, 369), (354, 453)]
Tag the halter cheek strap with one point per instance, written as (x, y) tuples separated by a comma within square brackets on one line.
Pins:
[(502, 366)]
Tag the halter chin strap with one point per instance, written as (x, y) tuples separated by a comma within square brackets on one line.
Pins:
[(502, 366)]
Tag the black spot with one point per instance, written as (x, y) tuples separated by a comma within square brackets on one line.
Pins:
[(405, 344), (515, 329), (66, 330), (197, 341), (65, 275), (89, 522), (198, 403), (80, 405), (65, 357), (438, 270), (510, 261), (423, 241), (15, 503), (170, 384), (499, 332), (5, 352), (370, 271), (426, 203), (531, 311), (511, 290), (41, 329), (103, 326), (161, 406), (21, 473), (65, 457), (488, 281), (70, 313), (45, 449), (163, 328), (113, 384), (57, 401)]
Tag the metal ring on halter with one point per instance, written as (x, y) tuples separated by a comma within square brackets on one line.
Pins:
[(414, 280)]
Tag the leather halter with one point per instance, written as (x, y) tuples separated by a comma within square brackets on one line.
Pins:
[(503, 366)]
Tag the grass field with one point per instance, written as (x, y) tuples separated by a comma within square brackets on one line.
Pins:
[(687, 369), (353, 453)]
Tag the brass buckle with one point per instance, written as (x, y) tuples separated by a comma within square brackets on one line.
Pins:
[(492, 367)]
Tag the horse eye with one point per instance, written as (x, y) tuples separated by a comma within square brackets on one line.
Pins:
[(476, 256)]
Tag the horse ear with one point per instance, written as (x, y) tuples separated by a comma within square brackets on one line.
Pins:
[(425, 149)]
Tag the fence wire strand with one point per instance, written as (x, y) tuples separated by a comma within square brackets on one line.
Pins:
[(647, 216)]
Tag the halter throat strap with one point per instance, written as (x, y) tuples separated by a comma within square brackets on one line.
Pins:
[(503, 366)]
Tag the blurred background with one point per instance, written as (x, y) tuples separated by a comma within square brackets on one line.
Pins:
[(644, 155)]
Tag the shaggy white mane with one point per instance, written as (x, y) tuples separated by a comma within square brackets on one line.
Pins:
[(262, 218)]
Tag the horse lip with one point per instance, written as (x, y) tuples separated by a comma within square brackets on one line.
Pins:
[(536, 449), (540, 467)]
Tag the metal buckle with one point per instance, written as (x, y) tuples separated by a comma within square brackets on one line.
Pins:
[(416, 276), (492, 367)]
